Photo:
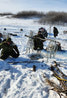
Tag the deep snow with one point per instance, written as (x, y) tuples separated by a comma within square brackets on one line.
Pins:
[(18, 80)]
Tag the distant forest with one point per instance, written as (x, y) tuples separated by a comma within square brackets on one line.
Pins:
[(59, 18), (29, 14), (4, 14), (51, 17)]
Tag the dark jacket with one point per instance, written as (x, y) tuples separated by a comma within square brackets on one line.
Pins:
[(55, 31), (38, 43)]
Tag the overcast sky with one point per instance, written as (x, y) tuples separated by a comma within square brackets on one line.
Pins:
[(15, 6)]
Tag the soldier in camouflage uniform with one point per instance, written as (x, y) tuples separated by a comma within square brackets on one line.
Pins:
[(8, 49), (38, 43)]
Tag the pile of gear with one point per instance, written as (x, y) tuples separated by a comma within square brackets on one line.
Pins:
[(60, 88)]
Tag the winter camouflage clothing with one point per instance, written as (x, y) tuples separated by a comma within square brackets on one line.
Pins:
[(8, 49)]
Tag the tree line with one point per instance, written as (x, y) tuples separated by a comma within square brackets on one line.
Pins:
[(51, 17)]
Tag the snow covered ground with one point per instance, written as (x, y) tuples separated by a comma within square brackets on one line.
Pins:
[(19, 80)]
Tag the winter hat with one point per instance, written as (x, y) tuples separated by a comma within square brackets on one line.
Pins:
[(8, 39)]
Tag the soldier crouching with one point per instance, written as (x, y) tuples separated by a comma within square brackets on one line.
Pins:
[(8, 49)]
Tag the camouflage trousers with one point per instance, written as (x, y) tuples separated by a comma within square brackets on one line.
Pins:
[(13, 54)]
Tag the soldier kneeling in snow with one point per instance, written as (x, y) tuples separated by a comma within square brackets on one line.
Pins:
[(8, 49)]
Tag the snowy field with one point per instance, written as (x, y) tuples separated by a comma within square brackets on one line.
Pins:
[(19, 80)]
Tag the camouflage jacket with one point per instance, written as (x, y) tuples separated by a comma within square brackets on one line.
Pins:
[(8, 47)]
